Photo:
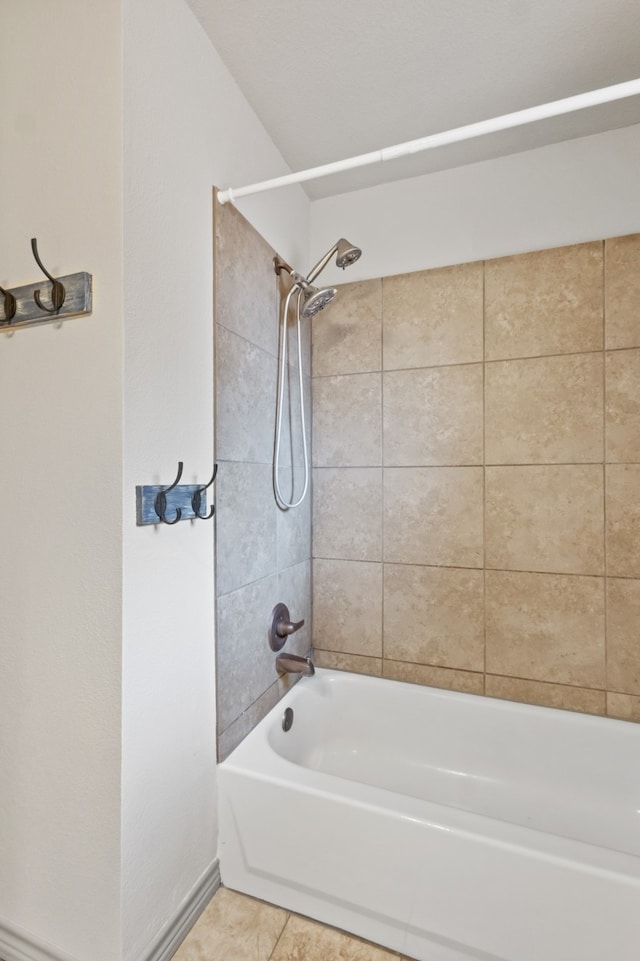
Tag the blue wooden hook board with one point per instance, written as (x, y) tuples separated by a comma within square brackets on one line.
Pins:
[(159, 504), (31, 305)]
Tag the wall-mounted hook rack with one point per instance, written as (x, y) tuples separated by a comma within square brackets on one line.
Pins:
[(9, 304), (196, 500), (160, 501), (159, 504), (71, 296), (58, 292)]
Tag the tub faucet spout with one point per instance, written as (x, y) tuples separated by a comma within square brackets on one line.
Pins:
[(294, 664)]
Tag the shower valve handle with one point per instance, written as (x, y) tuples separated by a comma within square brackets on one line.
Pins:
[(284, 628), (281, 626)]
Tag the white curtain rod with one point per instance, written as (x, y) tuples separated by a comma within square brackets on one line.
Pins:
[(592, 99)]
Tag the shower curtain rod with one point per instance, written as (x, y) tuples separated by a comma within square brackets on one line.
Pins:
[(531, 114)]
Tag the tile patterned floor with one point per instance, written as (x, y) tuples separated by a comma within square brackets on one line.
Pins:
[(235, 927)]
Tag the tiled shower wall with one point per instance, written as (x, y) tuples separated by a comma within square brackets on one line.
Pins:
[(263, 555), (476, 519)]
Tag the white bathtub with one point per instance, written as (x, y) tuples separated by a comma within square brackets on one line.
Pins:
[(445, 826)]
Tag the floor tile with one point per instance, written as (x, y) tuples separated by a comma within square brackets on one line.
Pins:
[(234, 928), (304, 940)]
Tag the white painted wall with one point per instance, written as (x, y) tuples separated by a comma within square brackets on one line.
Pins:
[(107, 712), (566, 193), (89, 411), (187, 127), (60, 487)]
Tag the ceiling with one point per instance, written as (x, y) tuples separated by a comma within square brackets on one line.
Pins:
[(330, 79)]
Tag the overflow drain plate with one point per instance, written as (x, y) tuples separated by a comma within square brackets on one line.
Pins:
[(287, 719)]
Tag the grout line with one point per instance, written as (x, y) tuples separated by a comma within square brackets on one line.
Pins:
[(586, 352), (357, 373), (604, 461), (536, 680), (336, 467), (467, 670), (284, 926), (251, 343), (382, 470), (243, 463), (475, 363), (479, 568), (484, 476), (472, 363), (604, 296), (258, 580), (247, 708)]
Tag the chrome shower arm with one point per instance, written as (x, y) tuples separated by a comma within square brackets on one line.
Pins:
[(322, 263), (279, 265)]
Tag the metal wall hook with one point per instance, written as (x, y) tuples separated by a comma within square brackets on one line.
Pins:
[(58, 292), (10, 306), (161, 500), (197, 498)]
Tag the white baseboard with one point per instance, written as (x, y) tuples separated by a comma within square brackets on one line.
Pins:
[(17, 944), (175, 931)]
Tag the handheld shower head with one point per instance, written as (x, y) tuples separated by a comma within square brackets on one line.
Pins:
[(308, 301), (315, 300), (347, 253)]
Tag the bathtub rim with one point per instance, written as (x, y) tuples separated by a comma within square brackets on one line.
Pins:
[(256, 758)]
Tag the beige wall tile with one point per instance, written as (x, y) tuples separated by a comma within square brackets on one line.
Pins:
[(623, 405), (624, 706), (433, 515), (294, 590), (546, 627), (293, 531), (355, 663), (623, 520), (246, 288), (451, 680), (229, 739), (545, 518), (347, 513), (434, 615), (246, 525), (622, 291), (347, 421), (347, 607), (433, 317), (546, 695), (433, 416), (245, 665), (304, 940), (291, 449), (623, 635), (347, 338), (545, 302), (236, 927), (262, 554), (245, 392), (544, 410), (546, 421)]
